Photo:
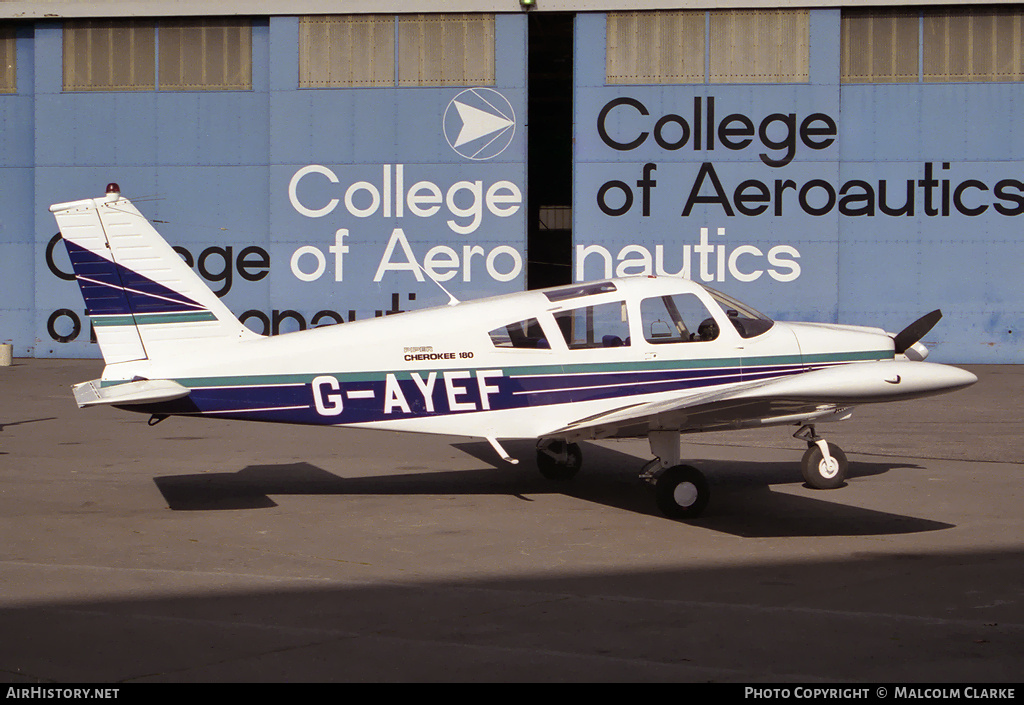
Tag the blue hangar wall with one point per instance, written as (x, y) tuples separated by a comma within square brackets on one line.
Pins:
[(300, 207), (800, 234), (298, 190)]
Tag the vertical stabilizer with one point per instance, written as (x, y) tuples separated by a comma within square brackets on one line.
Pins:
[(143, 300)]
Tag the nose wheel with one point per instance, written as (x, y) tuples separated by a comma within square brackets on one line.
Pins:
[(824, 464)]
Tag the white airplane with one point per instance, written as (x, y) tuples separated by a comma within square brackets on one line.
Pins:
[(631, 357)]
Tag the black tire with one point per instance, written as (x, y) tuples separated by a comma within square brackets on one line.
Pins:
[(552, 469), (682, 492), (820, 476)]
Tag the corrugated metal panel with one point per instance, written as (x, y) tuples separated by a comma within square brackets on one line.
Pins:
[(972, 45), (110, 55), (879, 46), (655, 47), (759, 46), (346, 50), (446, 50), (745, 46), (205, 54), (8, 60)]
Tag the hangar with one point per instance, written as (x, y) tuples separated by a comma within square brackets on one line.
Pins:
[(832, 161)]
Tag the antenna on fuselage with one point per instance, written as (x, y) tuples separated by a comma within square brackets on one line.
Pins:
[(452, 301)]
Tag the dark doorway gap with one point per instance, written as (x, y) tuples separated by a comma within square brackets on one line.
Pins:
[(550, 149)]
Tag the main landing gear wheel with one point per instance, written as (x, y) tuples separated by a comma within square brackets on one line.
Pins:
[(559, 460), (681, 492), (823, 473)]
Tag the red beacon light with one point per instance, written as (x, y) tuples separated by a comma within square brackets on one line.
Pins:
[(113, 189)]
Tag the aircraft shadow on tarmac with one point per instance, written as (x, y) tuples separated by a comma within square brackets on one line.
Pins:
[(18, 423), (742, 503)]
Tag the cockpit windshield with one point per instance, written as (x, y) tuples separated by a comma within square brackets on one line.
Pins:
[(748, 322)]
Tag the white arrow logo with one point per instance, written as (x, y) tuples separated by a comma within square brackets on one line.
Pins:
[(481, 126), (476, 123)]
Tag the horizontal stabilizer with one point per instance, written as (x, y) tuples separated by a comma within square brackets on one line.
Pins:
[(144, 391)]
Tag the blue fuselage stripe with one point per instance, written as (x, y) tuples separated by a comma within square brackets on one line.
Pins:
[(352, 398)]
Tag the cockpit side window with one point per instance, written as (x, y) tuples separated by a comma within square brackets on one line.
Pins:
[(677, 318), (524, 335), (600, 326), (747, 322)]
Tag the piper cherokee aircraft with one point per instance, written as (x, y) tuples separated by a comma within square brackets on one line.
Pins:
[(631, 357)]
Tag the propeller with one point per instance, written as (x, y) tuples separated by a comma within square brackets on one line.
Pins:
[(906, 338)]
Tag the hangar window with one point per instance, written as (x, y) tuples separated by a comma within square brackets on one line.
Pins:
[(110, 55), (346, 50), (879, 46), (935, 45), (352, 51), (600, 326), (718, 46), (655, 47), (760, 46), (972, 45), (205, 54), (194, 54), (445, 50), (8, 60)]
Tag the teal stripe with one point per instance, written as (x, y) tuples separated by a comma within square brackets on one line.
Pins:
[(189, 317), (124, 320), (153, 318), (860, 356), (578, 368)]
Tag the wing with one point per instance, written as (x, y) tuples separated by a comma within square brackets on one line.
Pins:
[(798, 398)]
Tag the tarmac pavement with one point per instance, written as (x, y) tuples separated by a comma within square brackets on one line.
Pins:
[(219, 551)]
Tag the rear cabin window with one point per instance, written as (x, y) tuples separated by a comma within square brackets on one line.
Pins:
[(677, 318), (521, 334), (601, 326)]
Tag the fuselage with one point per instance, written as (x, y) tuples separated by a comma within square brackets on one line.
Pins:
[(513, 366)]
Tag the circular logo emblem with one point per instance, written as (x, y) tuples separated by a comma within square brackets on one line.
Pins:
[(479, 123)]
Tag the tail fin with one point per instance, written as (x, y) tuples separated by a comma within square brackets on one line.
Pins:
[(144, 301)]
